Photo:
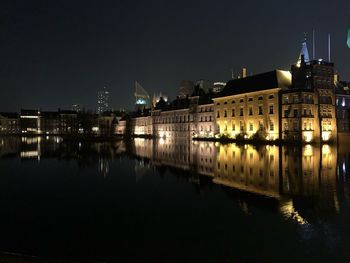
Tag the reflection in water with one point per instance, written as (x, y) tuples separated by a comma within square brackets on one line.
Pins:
[(306, 181)]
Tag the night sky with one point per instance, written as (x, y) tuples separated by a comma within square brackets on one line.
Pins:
[(55, 53)]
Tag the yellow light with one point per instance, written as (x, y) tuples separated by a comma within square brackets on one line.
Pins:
[(326, 135), (326, 149), (308, 150), (307, 136)]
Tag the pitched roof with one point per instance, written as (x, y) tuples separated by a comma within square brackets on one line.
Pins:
[(268, 80)]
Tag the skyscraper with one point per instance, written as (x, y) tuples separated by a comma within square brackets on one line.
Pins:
[(102, 100), (348, 41)]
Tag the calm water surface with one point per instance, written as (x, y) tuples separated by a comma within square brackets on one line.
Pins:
[(174, 201)]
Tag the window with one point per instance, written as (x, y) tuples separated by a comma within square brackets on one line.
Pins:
[(261, 126), (285, 99), (250, 111), (271, 109), (260, 110), (233, 127), (295, 126), (241, 126), (272, 126), (286, 113), (260, 98), (218, 114), (241, 112), (241, 100), (271, 96), (225, 102), (233, 102), (225, 113), (218, 103), (295, 113), (296, 99), (233, 113), (251, 126), (250, 99)]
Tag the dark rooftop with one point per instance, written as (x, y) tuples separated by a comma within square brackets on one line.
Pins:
[(264, 81)]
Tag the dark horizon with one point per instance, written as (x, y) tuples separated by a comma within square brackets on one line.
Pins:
[(58, 53)]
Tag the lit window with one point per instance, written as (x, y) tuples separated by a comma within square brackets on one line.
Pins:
[(251, 126)]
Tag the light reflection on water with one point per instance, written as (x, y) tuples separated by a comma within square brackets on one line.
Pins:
[(308, 183)]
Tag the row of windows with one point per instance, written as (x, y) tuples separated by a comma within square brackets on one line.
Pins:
[(261, 173), (250, 126), (295, 98), (206, 118), (207, 130), (173, 119), (305, 113), (206, 109), (250, 111), (307, 126), (250, 99)]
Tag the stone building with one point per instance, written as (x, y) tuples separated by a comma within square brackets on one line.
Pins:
[(249, 106), (9, 123), (309, 105)]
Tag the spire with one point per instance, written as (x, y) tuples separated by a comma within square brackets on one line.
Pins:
[(304, 52)]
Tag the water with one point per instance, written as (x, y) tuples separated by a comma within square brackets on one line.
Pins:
[(174, 201)]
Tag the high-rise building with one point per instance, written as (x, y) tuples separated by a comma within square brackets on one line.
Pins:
[(143, 100), (348, 42), (102, 100)]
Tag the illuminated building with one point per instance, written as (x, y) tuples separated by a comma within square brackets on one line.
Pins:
[(342, 103), (142, 98), (249, 107), (9, 123), (30, 121), (308, 106), (102, 100), (348, 41)]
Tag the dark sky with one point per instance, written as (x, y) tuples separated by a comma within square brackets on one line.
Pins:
[(55, 53)]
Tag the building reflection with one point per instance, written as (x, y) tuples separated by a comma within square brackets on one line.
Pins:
[(303, 181)]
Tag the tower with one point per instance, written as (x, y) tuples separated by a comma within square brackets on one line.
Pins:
[(143, 100), (102, 100), (304, 52), (348, 41)]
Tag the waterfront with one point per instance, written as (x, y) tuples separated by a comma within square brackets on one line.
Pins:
[(171, 201)]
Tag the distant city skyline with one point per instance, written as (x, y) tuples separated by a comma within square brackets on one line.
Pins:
[(58, 53)]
